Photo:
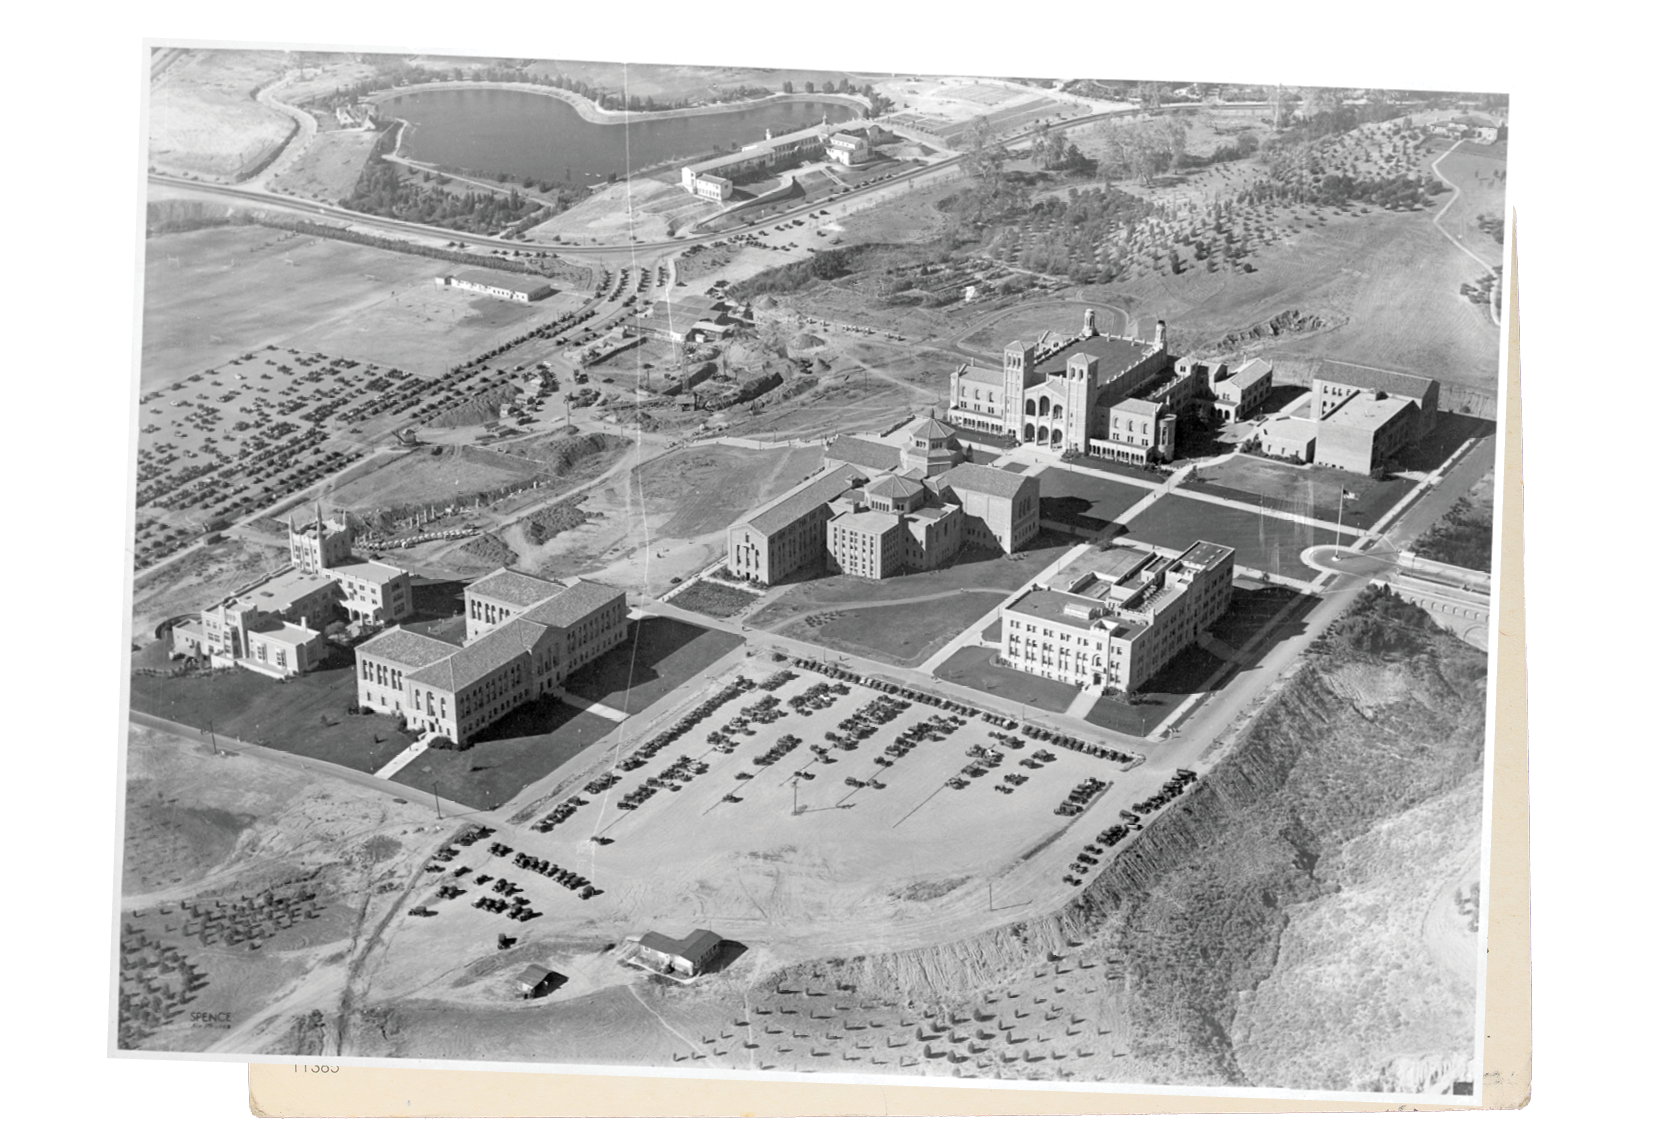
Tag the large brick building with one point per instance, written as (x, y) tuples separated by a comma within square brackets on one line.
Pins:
[(1105, 396), (888, 507)]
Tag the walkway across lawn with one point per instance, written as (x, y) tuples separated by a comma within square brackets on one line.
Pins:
[(902, 634), (1267, 543), (657, 655), (1309, 491), (523, 747)]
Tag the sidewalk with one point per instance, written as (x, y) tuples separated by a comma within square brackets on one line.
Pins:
[(417, 748), (973, 633)]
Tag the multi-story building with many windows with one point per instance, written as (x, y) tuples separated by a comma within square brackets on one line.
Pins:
[(275, 625), (1114, 618), (888, 507), (1105, 396), (524, 636)]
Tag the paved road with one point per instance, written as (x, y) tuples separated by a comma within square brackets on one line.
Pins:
[(307, 207)]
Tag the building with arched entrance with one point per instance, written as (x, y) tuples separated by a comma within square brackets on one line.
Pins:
[(1057, 390)]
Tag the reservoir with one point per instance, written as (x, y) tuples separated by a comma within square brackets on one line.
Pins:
[(542, 137)]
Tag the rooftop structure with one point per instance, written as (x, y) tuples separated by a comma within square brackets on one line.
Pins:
[(1114, 619)]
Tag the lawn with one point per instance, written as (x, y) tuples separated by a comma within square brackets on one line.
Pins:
[(523, 747), (1451, 431), (306, 715), (1271, 544), (976, 668), (713, 599), (903, 634), (658, 654), (1085, 501), (1307, 490), (1182, 677), (1252, 605), (1106, 465), (973, 569)]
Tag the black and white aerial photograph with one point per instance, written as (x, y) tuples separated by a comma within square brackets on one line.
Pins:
[(729, 569)]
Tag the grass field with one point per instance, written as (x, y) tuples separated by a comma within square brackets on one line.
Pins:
[(1268, 543), (523, 747), (306, 715), (903, 634), (659, 653), (330, 167), (976, 668), (1085, 501), (1307, 490), (975, 569), (1160, 696)]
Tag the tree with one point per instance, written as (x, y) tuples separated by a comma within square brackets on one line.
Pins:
[(1050, 148), (810, 87), (787, 86)]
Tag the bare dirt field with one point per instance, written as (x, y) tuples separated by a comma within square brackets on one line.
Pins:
[(200, 579), (212, 293), (649, 209), (420, 477), (708, 488), (669, 515), (1027, 320), (243, 889), (330, 167), (203, 118)]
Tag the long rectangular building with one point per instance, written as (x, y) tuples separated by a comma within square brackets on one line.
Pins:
[(791, 532), (524, 636)]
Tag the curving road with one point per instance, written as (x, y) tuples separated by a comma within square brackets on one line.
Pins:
[(252, 193)]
